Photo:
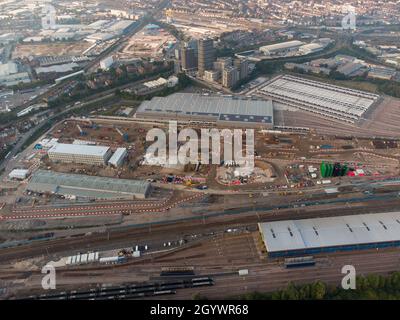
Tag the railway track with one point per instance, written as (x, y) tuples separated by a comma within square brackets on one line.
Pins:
[(120, 236), (101, 210), (128, 291)]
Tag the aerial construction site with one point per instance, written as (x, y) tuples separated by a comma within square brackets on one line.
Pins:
[(199, 150), (87, 192)]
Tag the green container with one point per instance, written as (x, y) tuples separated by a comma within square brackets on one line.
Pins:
[(330, 170), (345, 169), (324, 170)]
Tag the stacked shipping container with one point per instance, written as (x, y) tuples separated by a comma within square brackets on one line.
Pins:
[(333, 170)]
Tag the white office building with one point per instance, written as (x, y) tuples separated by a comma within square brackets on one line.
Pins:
[(74, 153)]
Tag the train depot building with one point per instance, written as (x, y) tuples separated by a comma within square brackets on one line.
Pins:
[(92, 187), (323, 99), (327, 235), (226, 111)]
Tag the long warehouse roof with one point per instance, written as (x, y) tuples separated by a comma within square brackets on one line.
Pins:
[(222, 108), (51, 181), (324, 96), (118, 154), (79, 149), (282, 45), (330, 232)]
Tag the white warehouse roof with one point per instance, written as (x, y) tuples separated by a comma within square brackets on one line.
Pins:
[(117, 156), (18, 174), (155, 83), (282, 46), (79, 149), (8, 68), (311, 47), (319, 97), (121, 25), (331, 232)]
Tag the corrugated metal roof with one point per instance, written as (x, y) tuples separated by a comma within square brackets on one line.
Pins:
[(282, 45), (18, 172), (329, 232), (58, 68), (213, 106), (118, 154), (323, 96), (50, 181), (121, 24), (155, 83)]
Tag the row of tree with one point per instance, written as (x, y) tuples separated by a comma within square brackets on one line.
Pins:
[(183, 82), (371, 287)]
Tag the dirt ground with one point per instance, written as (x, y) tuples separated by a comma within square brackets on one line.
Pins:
[(144, 44), (51, 49), (275, 153)]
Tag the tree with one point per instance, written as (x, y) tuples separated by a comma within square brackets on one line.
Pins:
[(291, 292), (318, 290)]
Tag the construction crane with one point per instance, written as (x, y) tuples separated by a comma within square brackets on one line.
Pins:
[(81, 132), (123, 135)]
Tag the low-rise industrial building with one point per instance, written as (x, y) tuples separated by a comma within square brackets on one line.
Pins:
[(197, 108), (98, 37), (118, 157), (281, 48), (121, 26), (382, 73), (352, 69), (327, 235), (91, 187), (321, 98), (46, 144), (18, 174), (106, 63), (10, 74), (14, 79), (31, 108), (75, 153), (149, 87), (311, 48)]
